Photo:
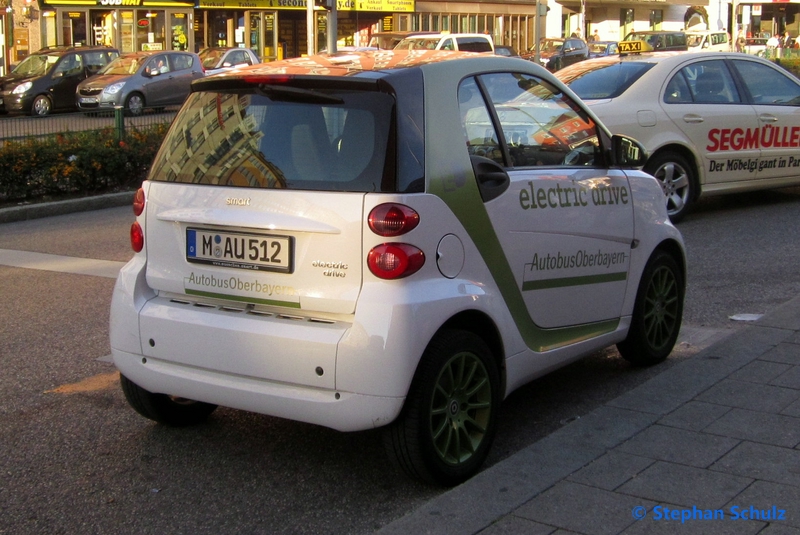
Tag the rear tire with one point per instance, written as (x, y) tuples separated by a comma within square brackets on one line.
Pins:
[(657, 313), (450, 417), (677, 181), (164, 409)]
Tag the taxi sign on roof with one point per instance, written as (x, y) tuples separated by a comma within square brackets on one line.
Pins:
[(631, 47)]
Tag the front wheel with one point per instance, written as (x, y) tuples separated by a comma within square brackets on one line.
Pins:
[(41, 106), (164, 409), (450, 417), (657, 313), (677, 181), (134, 104)]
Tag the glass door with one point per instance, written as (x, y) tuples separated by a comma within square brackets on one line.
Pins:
[(264, 35)]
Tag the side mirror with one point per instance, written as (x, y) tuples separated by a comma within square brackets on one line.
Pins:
[(627, 152)]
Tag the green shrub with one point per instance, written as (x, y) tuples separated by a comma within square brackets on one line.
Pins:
[(77, 163)]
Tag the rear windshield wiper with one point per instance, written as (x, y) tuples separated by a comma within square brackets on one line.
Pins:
[(287, 93)]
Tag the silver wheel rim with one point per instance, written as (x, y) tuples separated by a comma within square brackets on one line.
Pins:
[(674, 180), (135, 105), (41, 106)]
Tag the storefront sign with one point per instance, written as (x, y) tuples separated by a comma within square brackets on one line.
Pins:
[(406, 6), (119, 2)]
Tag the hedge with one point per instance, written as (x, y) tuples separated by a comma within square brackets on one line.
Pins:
[(77, 163)]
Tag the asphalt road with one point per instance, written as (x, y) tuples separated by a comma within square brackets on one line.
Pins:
[(76, 459)]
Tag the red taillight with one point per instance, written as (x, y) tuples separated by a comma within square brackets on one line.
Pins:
[(138, 202), (137, 237), (392, 219), (395, 260)]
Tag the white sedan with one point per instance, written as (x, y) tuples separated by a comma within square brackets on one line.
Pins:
[(712, 122)]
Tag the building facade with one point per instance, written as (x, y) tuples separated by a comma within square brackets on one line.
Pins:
[(278, 28)]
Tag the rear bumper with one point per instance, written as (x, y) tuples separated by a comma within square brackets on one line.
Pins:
[(342, 411), (280, 366)]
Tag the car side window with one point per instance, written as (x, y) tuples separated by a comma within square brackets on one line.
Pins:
[(540, 125), (768, 86), (678, 91), (711, 83), (71, 64), (181, 61), (478, 128), (448, 45)]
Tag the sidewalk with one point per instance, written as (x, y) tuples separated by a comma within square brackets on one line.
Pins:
[(701, 448)]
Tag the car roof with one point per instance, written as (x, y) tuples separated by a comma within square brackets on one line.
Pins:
[(667, 60), (60, 50), (362, 63)]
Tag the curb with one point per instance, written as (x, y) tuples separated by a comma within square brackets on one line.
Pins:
[(48, 209)]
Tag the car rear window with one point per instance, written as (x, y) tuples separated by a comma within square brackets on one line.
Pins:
[(609, 81), (335, 140)]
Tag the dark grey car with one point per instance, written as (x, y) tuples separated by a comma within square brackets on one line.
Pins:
[(153, 79)]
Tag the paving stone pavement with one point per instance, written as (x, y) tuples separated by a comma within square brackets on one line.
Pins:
[(710, 446)]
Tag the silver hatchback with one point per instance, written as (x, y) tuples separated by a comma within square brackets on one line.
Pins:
[(138, 80)]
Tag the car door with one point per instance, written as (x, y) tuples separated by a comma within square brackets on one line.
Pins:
[(776, 99), (159, 84), (66, 76), (183, 71), (703, 101), (564, 220)]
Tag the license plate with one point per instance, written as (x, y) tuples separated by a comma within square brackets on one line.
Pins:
[(88, 100), (256, 252)]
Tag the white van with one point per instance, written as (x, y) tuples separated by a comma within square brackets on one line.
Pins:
[(465, 42), (708, 41)]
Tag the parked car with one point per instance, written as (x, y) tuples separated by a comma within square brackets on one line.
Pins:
[(557, 53), (389, 40), (603, 48), (503, 50), (708, 41), (218, 59), (713, 122), (46, 80), (755, 45), (326, 247), (140, 79), (464, 42)]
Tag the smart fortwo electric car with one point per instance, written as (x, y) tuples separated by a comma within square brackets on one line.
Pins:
[(392, 239)]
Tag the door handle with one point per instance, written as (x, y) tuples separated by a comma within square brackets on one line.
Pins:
[(767, 118), (692, 118)]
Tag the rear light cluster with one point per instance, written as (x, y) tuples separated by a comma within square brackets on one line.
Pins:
[(393, 260), (137, 234)]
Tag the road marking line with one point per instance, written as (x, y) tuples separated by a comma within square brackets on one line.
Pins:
[(103, 381), (62, 264)]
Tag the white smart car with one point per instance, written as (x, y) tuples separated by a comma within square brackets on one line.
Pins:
[(713, 122), (388, 238)]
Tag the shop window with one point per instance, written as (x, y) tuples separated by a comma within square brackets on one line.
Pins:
[(151, 30), (180, 31)]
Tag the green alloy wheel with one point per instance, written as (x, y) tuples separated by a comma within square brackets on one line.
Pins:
[(657, 313), (450, 417)]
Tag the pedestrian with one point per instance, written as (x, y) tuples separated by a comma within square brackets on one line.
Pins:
[(787, 40), (596, 35), (741, 42)]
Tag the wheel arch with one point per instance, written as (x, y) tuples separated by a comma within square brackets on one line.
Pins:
[(686, 153), (483, 326)]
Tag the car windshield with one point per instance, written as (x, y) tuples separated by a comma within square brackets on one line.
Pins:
[(123, 65), (606, 81), (210, 57), (415, 44), (329, 140), (551, 45), (36, 65)]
